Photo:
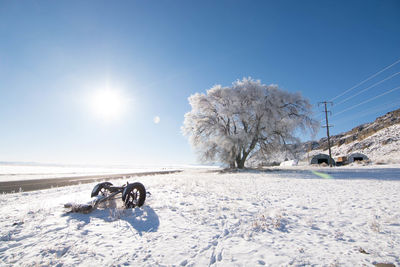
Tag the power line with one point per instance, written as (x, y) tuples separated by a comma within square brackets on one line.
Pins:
[(368, 100), (364, 81), (372, 86), (385, 106)]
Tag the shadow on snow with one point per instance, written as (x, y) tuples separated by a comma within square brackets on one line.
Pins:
[(388, 174), (142, 219)]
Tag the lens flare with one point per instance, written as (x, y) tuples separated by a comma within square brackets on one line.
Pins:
[(322, 175)]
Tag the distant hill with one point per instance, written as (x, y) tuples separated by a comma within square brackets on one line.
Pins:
[(379, 140)]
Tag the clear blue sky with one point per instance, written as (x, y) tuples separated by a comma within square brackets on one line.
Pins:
[(55, 56)]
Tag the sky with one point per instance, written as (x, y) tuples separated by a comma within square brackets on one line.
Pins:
[(61, 60)]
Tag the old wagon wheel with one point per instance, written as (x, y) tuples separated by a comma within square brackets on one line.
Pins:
[(134, 195), (101, 189)]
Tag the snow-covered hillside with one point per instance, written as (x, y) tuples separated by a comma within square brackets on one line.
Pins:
[(381, 148), (361, 132), (203, 218), (378, 140)]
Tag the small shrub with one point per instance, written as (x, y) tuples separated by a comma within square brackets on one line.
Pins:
[(264, 223), (361, 250), (116, 214), (375, 225), (339, 235), (335, 264)]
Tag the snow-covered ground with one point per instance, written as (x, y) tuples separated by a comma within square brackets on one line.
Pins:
[(14, 172), (202, 217)]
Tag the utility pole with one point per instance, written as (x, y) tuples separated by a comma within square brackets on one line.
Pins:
[(327, 129)]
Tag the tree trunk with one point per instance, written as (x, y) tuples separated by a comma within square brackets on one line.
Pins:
[(240, 161), (240, 164), (241, 158)]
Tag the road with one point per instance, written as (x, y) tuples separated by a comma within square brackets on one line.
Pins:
[(32, 185)]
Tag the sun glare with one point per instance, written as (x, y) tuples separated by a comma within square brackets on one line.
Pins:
[(108, 104)]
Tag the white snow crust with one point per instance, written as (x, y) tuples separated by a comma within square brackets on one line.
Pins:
[(202, 217), (289, 163)]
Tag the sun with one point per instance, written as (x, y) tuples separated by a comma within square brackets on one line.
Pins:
[(108, 104)]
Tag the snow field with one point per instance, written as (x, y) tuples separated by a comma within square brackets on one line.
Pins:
[(14, 172), (202, 218)]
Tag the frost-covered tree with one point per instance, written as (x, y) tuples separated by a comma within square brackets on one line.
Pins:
[(230, 124)]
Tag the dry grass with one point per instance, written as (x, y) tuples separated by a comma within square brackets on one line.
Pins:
[(265, 223)]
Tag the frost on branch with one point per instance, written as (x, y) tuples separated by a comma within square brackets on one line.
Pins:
[(232, 124)]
